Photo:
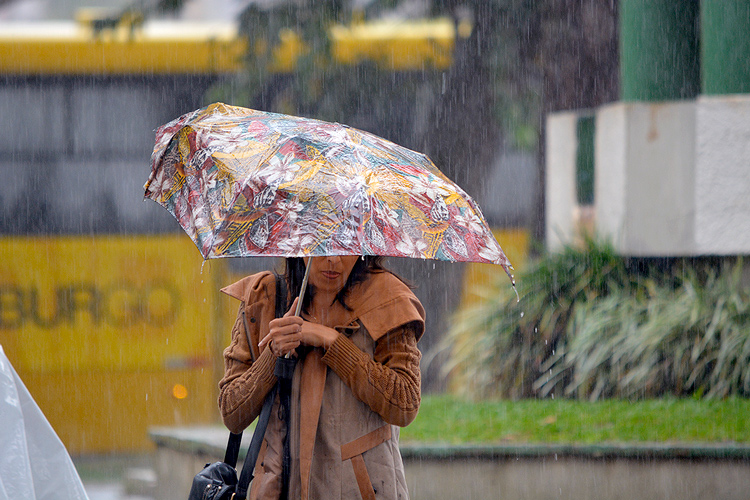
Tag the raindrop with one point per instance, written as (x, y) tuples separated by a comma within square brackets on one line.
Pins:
[(146, 396), (522, 314)]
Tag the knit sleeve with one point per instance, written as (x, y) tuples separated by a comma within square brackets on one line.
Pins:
[(390, 382), (245, 385)]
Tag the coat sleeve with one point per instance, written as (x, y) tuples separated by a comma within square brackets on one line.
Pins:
[(390, 382), (245, 385)]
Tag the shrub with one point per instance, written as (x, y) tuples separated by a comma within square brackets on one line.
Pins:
[(591, 324)]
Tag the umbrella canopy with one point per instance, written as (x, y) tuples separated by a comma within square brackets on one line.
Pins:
[(247, 183)]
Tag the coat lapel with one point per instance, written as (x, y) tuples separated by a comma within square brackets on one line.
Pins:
[(311, 397)]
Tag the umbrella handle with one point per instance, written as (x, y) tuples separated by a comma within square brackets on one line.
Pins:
[(302, 291)]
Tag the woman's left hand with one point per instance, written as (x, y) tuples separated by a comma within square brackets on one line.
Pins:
[(316, 335)]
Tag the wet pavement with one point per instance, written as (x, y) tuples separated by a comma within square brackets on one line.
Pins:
[(116, 477)]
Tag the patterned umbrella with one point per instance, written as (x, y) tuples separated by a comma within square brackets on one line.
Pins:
[(246, 183)]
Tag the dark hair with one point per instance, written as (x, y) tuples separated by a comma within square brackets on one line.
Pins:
[(295, 273)]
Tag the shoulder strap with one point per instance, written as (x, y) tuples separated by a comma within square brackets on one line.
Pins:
[(246, 476), (233, 445), (281, 299)]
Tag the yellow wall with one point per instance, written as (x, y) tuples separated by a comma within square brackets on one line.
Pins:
[(113, 335), (82, 54), (515, 244), (399, 46)]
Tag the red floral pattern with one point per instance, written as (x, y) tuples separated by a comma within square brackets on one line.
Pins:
[(245, 183)]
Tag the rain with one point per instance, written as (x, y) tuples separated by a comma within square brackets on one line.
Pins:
[(606, 142)]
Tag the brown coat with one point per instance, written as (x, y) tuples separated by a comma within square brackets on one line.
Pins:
[(347, 402)]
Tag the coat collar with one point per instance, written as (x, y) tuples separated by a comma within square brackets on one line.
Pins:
[(382, 302)]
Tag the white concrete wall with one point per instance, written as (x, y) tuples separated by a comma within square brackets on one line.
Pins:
[(649, 148), (560, 184), (671, 178), (610, 181), (722, 175)]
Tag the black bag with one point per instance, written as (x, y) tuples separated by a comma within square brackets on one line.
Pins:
[(218, 481)]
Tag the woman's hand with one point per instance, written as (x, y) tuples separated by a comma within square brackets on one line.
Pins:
[(288, 332), (285, 333)]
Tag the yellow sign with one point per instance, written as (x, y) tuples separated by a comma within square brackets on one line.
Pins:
[(113, 332), (109, 302)]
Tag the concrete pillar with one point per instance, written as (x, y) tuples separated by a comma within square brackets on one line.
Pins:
[(561, 205), (645, 177), (659, 49)]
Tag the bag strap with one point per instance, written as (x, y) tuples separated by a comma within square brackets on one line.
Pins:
[(246, 476), (233, 445), (233, 449)]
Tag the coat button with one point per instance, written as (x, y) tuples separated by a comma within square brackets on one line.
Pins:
[(252, 320)]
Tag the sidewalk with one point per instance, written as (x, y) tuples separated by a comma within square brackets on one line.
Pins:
[(116, 477)]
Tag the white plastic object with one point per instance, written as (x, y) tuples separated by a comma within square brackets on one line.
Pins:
[(34, 464)]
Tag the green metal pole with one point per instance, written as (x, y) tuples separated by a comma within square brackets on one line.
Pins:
[(659, 49), (725, 46)]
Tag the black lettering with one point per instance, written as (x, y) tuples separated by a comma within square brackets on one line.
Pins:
[(121, 307), (124, 307), (75, 299), (35, 314), (11, 307)]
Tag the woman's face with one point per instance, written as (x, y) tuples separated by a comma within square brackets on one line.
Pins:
[(329, 274)]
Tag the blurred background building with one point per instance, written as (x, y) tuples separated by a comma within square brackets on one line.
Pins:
[(106, 309), (626, 118)]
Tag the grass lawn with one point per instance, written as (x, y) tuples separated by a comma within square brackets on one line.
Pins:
[(451, 420)]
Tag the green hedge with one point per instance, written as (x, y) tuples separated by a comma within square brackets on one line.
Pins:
[(591, 324)]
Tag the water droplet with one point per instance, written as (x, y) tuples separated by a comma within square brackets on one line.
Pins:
[(522, 314)]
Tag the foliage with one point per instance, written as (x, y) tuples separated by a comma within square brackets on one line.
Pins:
[(453, 420), (591, 324)]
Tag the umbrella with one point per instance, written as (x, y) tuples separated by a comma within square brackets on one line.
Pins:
[(246, 183)]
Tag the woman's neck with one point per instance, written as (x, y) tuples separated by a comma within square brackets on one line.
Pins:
[(322, 302), (326, 310)]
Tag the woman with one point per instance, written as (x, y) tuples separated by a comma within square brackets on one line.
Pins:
[(356, 381)]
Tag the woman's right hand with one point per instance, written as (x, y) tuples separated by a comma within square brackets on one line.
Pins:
[(284, 333)]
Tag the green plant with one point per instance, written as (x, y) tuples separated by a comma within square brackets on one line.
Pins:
[(591, 324)]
